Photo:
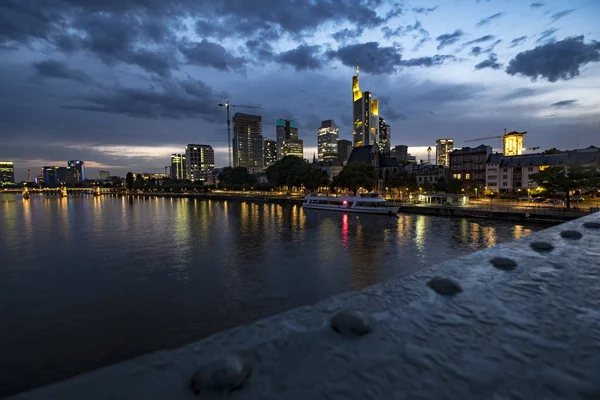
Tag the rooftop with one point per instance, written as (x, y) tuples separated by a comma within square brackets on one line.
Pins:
[(467, 150)]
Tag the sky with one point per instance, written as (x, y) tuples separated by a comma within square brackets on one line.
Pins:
[(122, 84)]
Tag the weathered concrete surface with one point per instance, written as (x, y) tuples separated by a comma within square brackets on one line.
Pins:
[(532, 332)]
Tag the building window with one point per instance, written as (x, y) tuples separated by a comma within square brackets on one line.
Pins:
[(504, 184), (467, 176), (504, 169), (492, 177), (504, 176), (530, 169), (492, 184), (420, 178), (455, 176)]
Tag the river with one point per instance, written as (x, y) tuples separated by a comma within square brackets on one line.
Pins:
[(89, 281)]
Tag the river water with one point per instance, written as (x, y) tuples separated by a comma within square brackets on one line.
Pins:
[(86, 282)]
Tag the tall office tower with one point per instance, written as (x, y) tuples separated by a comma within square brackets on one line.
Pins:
[(443, 147), (178, 166), (385, 136), (78, 170), (288, 143), (400, 152), (64, 175), (103, 175), (199, 161), (365, 115), (50, 175), (7, 173), (248, 146), (344, 149), (270, 152), (327, 141)]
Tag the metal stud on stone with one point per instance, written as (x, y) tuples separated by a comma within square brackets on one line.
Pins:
[(592, 225), (573, 235), (352, 323), (221, 374), (503, 263), (542, 247), (444, 286)]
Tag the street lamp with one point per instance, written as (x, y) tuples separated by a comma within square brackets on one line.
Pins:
[(476, 196)]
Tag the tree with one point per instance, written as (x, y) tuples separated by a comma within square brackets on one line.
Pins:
[(139, 182), (553, 150), (294, 172), (236, 178), (356, 175), (401, 179), (129, 180), (566, 179)]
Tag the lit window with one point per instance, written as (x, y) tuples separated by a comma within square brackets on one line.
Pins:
[(467, 176)]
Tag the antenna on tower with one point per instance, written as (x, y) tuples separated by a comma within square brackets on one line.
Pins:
[(357, 67)]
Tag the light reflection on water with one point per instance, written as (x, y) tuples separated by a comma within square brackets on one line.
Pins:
[(120, 277)]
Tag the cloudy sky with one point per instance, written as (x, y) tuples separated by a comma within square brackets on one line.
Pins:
[(122, 84)]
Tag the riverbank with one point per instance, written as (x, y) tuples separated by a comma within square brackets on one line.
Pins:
[(533, 214)]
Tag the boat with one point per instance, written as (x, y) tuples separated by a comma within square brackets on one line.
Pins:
[(350, 204)]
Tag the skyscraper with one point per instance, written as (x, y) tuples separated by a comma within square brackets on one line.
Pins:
[(78, 170), (443, 147), (365, 115), (248, 146), (50, 175), (7, 173), (65, 175), (385, 136), (199, 161), (270, 152), (103, 175), (327, 141), (344, 149), (400, 152), (178, 166), (288, 143)]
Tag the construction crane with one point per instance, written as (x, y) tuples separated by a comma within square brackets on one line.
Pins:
[(512, 142), (227, 107)]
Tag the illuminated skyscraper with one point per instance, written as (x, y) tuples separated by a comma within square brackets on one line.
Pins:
[(385, 136), (365, 113), (50, 175), (248, 146), (7, 173), (270, 151), (443, 147), (78, 170), (327, 141), (178, 166), (199, 161), (288, 143), (344, 149)]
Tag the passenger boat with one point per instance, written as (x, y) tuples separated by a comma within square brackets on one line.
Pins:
[(353, 204)]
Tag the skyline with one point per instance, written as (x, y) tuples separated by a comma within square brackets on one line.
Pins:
[(126, 86)]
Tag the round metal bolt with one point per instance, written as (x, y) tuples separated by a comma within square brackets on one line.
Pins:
[(444, 286), (592, 225), (352, 323), (503, 263), (226, 373), (542, 247), (572, 235)]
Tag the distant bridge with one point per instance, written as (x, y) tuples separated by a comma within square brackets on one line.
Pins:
[(62, 191)]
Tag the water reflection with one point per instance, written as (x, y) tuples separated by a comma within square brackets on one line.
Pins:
[(170, 271)]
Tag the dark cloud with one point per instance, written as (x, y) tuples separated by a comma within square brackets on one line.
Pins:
[(522, 93), (517, 41), (561, 14), (427, 61), (346, 34), (261, 49), (169, 99), (491, 62), (373, 58), (420, 34), (547, 35), (555, 61), (449, 38), (59, 70), (564, 103), (537, 4), (211, 54), (482, 39), (492, 46), (475, 51), (302, 57), (423, 10), (489, 19)]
